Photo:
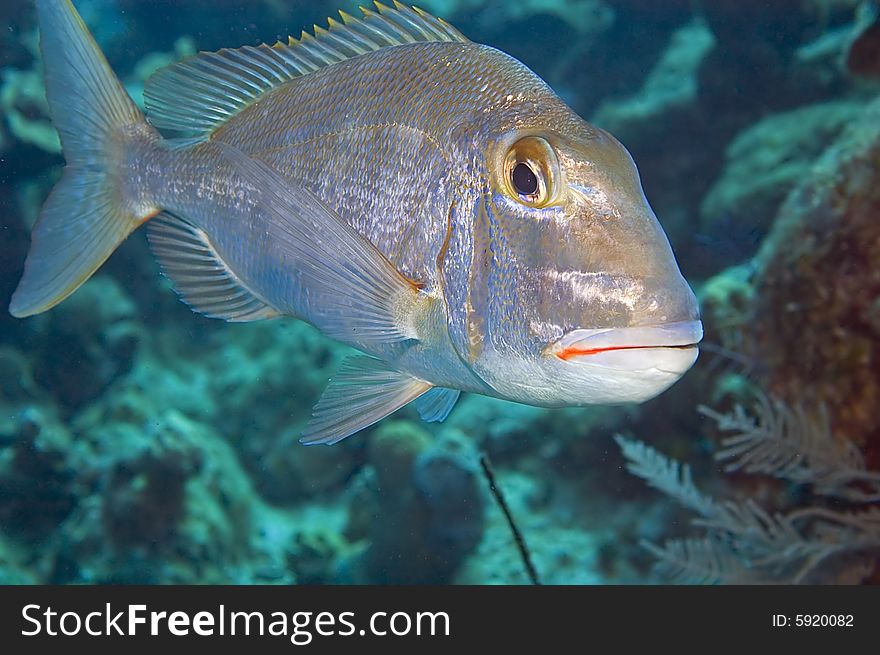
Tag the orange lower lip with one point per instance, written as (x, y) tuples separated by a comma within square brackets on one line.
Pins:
[(568, 353)]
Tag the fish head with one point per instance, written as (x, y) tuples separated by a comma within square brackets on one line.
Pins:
[(576, 293)]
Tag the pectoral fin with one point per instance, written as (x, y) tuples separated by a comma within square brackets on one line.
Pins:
[(435, 405), (355, 294), (364, 391)]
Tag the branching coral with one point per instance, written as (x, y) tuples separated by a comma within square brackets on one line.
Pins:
[(833, 539)]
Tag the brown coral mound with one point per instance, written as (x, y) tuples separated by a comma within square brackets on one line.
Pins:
[(815, 333), (863, 57)]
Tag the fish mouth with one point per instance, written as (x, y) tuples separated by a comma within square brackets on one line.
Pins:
[(663, 347)]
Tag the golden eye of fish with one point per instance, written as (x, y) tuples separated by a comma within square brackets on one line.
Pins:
[(531, 171)]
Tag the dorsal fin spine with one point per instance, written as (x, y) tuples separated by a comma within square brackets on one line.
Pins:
[(196, 96), (261, 57), (407, 37), (296, 62), (320, 43)]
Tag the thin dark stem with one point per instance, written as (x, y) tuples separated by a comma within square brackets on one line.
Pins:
[(517, 535)]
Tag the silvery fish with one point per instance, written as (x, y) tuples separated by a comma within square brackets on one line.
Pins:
[(427, 200)]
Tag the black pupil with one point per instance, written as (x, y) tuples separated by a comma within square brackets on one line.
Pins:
[(524, 180)]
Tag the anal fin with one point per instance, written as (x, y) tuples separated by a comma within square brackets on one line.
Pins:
[(364, 391), (200, 276), (435, 405)]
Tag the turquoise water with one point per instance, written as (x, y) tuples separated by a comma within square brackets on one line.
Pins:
[(140, 442)]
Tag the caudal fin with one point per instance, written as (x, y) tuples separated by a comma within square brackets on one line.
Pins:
[(86, 216)]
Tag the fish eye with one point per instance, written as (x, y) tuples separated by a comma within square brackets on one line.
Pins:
[(531, 171), (524, 180)]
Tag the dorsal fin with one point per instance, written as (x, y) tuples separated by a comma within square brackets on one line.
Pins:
[(194, 97)]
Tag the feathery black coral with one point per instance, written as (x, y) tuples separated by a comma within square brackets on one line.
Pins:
[(790, 443), (745, 543)]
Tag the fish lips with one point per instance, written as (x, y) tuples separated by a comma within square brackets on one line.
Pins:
[(671, 347)]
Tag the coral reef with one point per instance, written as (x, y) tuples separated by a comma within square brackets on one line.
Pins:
[(87, 344), (23, 103), (142, 443), (421, 510), (863, 53), (768, 159), (36, 478)]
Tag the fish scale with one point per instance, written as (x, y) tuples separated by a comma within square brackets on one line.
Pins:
[(378, 138)]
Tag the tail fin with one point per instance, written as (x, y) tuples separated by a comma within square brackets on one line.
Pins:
[(86, 216)]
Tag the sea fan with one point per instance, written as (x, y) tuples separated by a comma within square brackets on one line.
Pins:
[(744, 542)]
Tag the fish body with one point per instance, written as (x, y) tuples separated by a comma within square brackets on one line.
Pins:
[(425, 199)]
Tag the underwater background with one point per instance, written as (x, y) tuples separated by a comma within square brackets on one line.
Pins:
[(142, 443)]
